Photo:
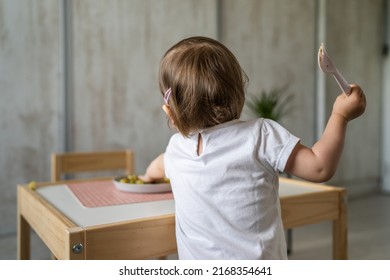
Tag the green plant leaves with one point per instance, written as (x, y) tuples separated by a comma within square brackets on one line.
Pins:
[(271, 105)]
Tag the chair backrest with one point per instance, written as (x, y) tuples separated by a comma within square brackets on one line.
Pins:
[(79, 162)]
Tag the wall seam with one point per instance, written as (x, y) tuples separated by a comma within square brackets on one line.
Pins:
[(66, 64)]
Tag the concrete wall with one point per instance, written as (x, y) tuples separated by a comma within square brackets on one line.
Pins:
[(113, 93), (385, 107), (354, 39), (117, 46), (275, 44), (29, 84)]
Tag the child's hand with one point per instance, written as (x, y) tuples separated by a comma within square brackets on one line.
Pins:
[(155, 170), (352, 106), (145, 178)]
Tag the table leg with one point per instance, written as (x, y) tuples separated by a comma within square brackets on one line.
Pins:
[(289, 241), (340, 230), (23, 238)]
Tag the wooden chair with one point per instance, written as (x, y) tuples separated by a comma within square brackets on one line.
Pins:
[(82, 162)]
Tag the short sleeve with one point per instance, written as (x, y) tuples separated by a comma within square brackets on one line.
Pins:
[(168, 155), (276, 144)]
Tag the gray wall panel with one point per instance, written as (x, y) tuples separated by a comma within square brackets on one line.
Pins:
[(354, 39), (29, 97), (117, 49), (274, 41)]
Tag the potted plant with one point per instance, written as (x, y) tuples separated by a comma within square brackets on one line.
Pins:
[(273, 104)]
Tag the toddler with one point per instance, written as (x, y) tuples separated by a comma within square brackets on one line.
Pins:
[(224, 171)]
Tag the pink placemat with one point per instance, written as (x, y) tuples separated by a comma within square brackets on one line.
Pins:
[(104, 193)]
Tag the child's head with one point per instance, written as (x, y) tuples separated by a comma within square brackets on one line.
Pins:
[(206, 82)]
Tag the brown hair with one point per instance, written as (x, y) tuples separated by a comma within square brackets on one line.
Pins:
[(207, 84)]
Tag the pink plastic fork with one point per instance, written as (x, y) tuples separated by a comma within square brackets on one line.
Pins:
[(327, 66)]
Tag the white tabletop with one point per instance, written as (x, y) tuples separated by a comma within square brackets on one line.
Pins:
[(65, 201)]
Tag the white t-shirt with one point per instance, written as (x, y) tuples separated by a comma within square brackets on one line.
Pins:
[(226, 200)]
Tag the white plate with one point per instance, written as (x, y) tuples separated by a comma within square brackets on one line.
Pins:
[(142, 188)]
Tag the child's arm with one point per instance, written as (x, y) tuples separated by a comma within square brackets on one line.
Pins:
[(319, 163), (155, 170)]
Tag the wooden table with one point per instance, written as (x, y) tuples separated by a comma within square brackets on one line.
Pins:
[(147, 230)]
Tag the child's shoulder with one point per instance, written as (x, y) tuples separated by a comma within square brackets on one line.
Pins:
[(256, 123), (263, 126)]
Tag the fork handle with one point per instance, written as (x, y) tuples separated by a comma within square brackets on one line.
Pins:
[(344, 85)]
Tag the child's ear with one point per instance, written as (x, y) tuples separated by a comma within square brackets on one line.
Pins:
[(166, 110)]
